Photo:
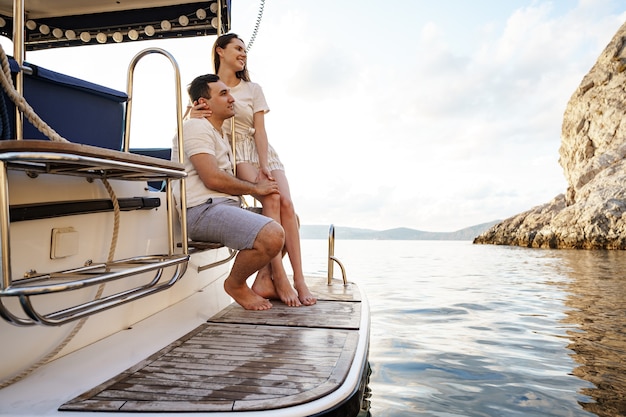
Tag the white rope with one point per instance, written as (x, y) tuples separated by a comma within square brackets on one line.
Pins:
[(116, 220)]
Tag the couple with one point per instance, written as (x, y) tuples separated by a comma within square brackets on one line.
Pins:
[(214, 213)]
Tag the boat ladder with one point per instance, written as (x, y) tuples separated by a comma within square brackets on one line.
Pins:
[(332, 258), (37, 157)]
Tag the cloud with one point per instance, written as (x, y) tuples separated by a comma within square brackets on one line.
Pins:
[(466, 117), (435, 126)]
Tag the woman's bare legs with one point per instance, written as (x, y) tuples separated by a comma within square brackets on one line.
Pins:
[(289, 221), (281, 286)]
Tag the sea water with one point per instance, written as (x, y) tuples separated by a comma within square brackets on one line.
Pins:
[(481, 330)]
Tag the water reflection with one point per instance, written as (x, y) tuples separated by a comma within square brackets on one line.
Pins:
[(597, 307), (462, 330)]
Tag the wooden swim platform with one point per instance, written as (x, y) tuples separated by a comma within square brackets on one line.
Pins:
[(243, 360)]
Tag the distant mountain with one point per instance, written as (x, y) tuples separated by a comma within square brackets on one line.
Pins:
[(401, 233)]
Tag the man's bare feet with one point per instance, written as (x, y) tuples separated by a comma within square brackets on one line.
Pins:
[(245, 297), (305, 296), (264, 285)]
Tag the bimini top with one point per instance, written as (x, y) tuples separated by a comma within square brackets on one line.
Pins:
[(62, 23)]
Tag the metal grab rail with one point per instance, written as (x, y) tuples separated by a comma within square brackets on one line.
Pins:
[(179, 130), (28, 287), (87, 276), (197, 246), (331, 258), (231, 254)]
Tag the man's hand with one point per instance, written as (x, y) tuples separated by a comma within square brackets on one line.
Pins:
[(217, 179), (265, 186)]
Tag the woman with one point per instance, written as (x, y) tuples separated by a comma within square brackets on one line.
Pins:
[(255, 157)]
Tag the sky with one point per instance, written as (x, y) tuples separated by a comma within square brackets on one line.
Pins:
[(429, 115)]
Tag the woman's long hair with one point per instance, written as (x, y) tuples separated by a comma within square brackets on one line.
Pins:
[(222, 42)]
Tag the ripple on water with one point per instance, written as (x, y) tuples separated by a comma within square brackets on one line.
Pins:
[(474, 330)]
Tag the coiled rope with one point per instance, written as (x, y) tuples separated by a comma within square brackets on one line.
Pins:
[(7, 85)]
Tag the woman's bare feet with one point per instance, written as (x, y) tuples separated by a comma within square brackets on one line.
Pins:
[(275, 288), (263, 284), (304, 294), (286, 293), (245, 297)]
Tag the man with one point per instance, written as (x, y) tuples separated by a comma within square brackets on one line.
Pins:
[(214, 213)]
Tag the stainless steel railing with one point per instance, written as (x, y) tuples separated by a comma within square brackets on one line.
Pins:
[(332, 258)]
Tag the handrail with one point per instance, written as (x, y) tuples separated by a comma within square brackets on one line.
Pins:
[(105, 303), (85, 166), (332, 258), (230, 256), (179, 130), (5, 234), (202, 246), (140, 264), (24, 289), (219, 17), (18, 55)]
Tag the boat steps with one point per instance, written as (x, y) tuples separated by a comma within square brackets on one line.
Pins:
[(47, 157)]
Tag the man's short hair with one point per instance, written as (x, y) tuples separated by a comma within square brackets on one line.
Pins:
[(199, 87)]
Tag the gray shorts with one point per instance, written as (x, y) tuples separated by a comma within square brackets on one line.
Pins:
[(222, 220)]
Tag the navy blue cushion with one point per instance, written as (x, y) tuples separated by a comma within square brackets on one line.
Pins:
[(163, 153)]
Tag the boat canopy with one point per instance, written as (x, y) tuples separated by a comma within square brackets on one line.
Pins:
[(63, 23)]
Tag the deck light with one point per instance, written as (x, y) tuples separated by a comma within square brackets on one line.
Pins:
[(43, 34)]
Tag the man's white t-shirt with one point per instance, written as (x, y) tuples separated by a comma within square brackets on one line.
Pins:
[(199, 136)]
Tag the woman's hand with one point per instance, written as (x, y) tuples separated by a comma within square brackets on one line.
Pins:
[(265, 171), (198, 111)]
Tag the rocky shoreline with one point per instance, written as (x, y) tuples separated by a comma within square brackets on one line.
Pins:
[(591, 214)]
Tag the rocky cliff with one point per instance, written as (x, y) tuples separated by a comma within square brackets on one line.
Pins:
[(592, 212)]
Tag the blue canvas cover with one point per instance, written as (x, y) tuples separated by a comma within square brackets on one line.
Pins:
[(80, 111)]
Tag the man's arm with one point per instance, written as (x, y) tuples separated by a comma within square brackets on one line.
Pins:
[(219, 180)]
